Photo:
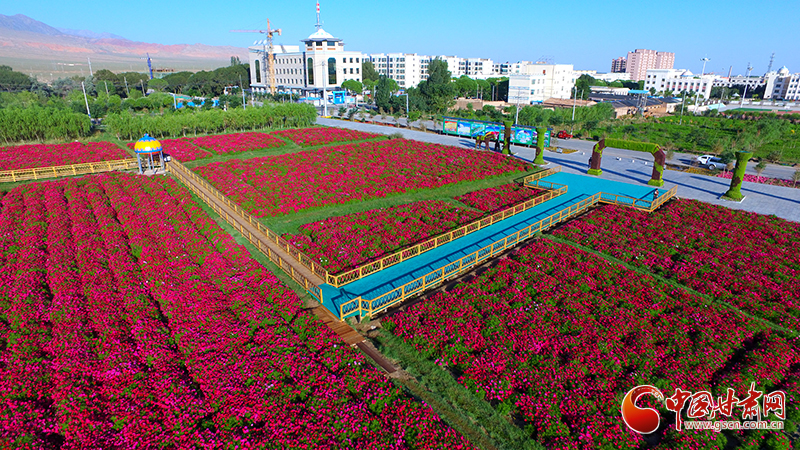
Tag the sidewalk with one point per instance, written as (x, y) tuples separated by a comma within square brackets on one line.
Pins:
[(629, 167)]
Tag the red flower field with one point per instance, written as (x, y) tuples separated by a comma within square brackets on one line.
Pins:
[(129, 320), (181, 149), (321, 135), (48, 155), (237, 143), (494, 199), (748, 260), (554, 337), (275, 185), (342, 243)]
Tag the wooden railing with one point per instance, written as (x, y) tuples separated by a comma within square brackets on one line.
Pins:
[(637, 203), (542, 174), (184, 174), (396, 296), (38, 173), (379, 304), (554, 190)]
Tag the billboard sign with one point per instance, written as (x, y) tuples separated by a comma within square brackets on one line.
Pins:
[(473, 128)]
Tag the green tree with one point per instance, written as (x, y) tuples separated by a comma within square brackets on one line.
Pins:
[(437, 91), (368, 71), (385, 88), (353, 86), (762, 164)]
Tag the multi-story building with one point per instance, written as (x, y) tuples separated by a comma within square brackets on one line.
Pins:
[(641, 60), (524, 88), (679, 81), (557, 79), (479, 68), (618, 64), (321, 64), (408, 69), (782, 85)]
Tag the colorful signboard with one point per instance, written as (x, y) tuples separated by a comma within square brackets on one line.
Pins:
[(473, 128)]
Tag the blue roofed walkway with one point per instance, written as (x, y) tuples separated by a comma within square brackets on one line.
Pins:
[(410, 277)]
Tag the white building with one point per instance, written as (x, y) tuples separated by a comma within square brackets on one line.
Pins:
[(525, 89), (679, 81), (479, 68), (322, 63), (782, 85), (408, 69), (559, 79)]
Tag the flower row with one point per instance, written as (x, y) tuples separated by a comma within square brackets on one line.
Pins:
[(131, 320), (321, 135), (494, 199), (554, 337), (49, 155), (746, 259), (276, 185), (762, 180), (237, 143), (344, 242)]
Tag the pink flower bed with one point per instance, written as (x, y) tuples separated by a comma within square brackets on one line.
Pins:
[(131, 320), (344, 242), (555, 337), (48, 155), (237, 143), (181, 149), (275, 185), (322, 135), (748, 260), (762, 180), (497, 198)]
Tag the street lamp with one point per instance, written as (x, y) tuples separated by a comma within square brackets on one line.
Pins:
[(746, 83)]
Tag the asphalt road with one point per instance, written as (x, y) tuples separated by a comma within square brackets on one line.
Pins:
[(631, 167)]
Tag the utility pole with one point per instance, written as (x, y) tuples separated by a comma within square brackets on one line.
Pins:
[(86, 99), (574, 102), (747, 82), (244, 102), (107, 94), (142, 83), (127, 91), (90, 67), (683, 103), (324, 88)]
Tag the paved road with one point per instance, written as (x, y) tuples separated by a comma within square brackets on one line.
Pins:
[(627, 166)]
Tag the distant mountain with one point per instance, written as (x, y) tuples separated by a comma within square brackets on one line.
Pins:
[(21, 22), (89, 34), (47, 52)]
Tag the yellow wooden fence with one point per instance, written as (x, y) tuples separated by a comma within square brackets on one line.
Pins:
[(396, 296), (184, 174), (38, 173), (554, 190)]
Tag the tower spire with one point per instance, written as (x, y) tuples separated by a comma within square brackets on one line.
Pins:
[(319, 22)]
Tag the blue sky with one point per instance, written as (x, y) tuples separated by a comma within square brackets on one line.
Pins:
[(587, 34)]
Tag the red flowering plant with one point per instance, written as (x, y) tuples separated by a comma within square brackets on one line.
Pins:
[(746, 259), (49, 155), (238, 142), (181, 149), (275, 185), (494, 199), (344, 242), (321, 135), (131, 320), (555, 337)]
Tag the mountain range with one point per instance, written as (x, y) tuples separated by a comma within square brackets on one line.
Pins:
[(46, 52)]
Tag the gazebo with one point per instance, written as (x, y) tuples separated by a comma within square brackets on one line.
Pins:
[(147, 147)]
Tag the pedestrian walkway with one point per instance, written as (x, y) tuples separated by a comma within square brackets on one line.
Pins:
[(374, 288)]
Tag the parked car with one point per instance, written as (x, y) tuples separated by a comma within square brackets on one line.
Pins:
[(710, 162), (563, 135)]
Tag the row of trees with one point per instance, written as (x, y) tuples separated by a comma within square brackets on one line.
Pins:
[(129, 126), (40, 124)]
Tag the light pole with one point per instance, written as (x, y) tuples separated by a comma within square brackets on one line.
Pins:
[(574, 102), (746, 83), (683, 103), (705, 60)]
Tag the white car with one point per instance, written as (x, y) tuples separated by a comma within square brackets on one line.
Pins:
[(710, 162)]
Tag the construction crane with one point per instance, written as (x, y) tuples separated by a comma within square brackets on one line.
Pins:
[(268, 52), (149, 65)]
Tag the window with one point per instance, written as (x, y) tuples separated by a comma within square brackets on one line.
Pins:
[(332, 71), (356, 59), (331, 44), (351, 71), (351, 60), (258, 71), (310, 71), (319, 44), (356, 69)]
